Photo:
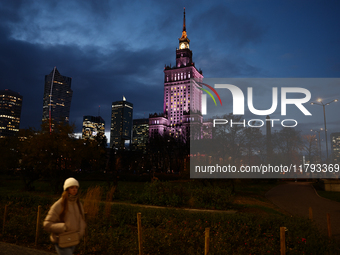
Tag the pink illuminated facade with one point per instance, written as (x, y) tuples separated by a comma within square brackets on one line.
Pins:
[(182, 97)]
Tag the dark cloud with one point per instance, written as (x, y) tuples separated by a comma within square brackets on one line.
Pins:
[(226, 27), (227, 66), (9, 11)]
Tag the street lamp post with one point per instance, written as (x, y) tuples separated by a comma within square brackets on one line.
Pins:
[(324, 118)]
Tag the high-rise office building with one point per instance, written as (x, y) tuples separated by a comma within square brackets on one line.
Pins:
[(92, 127), (182, 96), (57, 98), (10, 112), (335, 140), (140, 135), (121, 123)]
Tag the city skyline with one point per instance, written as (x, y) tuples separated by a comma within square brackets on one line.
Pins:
[(117, 50)]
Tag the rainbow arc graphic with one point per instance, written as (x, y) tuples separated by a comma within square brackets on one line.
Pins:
[(209, 93)]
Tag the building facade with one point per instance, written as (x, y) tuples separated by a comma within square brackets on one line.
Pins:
[(121, 124), (140, 135), (335, 141), (10, 112), (92, 127), (57, 98), (182, 95)]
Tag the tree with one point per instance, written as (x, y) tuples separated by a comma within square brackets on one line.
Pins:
[(9, 156), (229, 139), (253, 144), (310, 146), (93, 156), (167, 153), (101, 140), (288, 144), (52, 155)]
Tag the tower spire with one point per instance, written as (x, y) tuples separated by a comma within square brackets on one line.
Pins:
[(184, 28), (184, 40)]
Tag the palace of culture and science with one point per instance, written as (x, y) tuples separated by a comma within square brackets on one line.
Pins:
[(182, 96)]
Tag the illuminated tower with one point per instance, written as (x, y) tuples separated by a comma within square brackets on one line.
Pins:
[(57, 98), (140, 135), (10, 111), (92, 127), (335, 140), (182, 98), (121, 123)]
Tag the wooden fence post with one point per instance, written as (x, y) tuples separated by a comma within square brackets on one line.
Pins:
[(206, 246), (310, 213), (38, 226), (139, 225), (4, 222), (85, 234), (329, 225), (283, 240)]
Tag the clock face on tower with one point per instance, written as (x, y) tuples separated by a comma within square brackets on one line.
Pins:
[(183, 46)]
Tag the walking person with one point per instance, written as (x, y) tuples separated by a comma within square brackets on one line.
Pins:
[(65, 219)]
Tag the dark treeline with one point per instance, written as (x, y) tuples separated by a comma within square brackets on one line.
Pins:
[(239, 144), (41, 154), (54, 156)]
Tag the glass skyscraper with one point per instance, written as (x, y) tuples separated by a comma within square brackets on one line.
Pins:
[(140, 134), (121, 124), (10, 112), (335, 141), (57, 98)]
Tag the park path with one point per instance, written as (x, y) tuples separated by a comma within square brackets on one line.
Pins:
[(296, 197), (12, 249)]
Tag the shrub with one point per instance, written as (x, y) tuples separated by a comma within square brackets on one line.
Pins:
[(109, 197), (92, 202), (211, 197), (163, 194)]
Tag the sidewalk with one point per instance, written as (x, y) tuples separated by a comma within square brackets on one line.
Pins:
[(296, 198), (12, 249)]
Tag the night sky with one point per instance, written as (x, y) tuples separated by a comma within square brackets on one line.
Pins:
[(116, 48)]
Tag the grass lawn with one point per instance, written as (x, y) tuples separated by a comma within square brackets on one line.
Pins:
[(250, 197), (249, 194), (332, 195)]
